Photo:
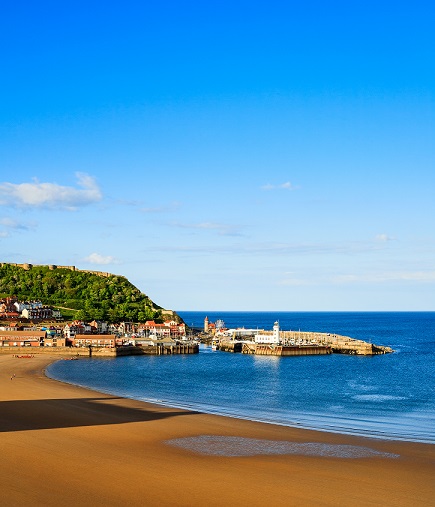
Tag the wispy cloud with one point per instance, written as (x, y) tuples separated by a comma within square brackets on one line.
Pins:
[(370, 278), (283, 186), (269, 249), (297, 281), (8, 225), (222, 229), (96, 258), (392, 276), (51, 195)]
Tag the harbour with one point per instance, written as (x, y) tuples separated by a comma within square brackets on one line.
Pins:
[(286, 343)]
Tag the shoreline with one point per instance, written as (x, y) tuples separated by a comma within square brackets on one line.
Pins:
[(70, 445), (296, 425)]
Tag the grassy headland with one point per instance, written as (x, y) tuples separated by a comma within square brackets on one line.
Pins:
[(82, 295)]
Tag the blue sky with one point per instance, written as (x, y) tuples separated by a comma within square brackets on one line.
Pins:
[(226, 155)]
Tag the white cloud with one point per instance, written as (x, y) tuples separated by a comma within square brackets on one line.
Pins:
[(384, 238), (96, 258), (51, 195), (286, 186)]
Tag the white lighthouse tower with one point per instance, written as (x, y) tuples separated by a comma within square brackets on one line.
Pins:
[(276, 332)]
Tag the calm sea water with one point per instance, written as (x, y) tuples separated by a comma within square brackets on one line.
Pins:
[(389, 396)]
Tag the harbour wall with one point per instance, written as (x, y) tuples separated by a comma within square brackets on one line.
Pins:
[(71, 352), (337, 344), (285, 350)]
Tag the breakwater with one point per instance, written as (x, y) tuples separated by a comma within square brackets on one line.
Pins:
[(339, 344), (301, 343), (262, 349), (285, 350)]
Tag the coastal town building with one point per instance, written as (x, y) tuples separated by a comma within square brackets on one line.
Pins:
[(37, 313), (8, 304), (169, 328), (70, 330), (56, 314), (156, 329), (125, 328), (100, 340), (22, 338), (209, 327), (12, 308), (11, 326), (8, 309), (22, 325), (112, 329), (54, 341), (10, 315), (98, 326), (27, 305), (177, 329)]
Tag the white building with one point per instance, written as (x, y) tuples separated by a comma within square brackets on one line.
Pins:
[(269, 338), (27, 305)]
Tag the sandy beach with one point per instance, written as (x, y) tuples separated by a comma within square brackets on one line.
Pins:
[(64, 445)]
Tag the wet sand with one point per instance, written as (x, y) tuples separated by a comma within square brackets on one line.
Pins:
[(64, 445)]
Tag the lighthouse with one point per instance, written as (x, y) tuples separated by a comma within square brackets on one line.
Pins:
[(206, 325), (276, 332)]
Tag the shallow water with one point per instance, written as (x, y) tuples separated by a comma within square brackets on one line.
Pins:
[(389, 396)]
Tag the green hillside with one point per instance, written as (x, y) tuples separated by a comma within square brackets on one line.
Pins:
[(88, 296)]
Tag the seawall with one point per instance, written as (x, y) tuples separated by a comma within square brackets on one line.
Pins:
[(304, 341), (71, 352), (285, 350)]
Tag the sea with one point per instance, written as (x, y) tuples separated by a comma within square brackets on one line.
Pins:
[(387, 396)]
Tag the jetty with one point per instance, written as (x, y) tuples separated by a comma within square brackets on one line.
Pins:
[(295, 343)]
